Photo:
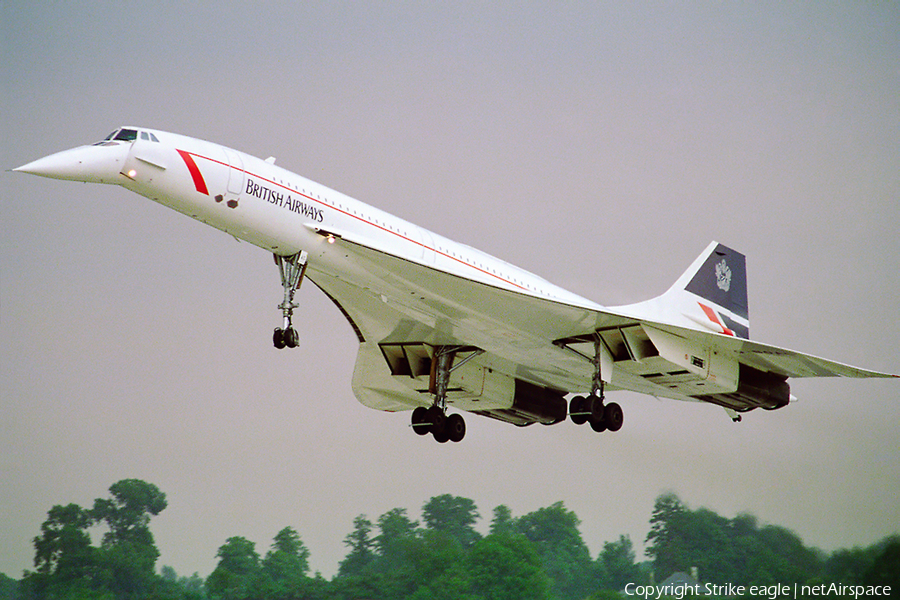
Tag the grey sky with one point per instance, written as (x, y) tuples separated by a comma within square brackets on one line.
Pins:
[(600, 146)]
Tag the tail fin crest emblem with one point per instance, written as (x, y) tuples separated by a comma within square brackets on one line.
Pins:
[(723, 276)]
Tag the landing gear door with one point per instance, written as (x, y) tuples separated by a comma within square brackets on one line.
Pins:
[(235, 173)]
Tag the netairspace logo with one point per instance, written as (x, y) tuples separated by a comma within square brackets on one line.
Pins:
[(771, 592)]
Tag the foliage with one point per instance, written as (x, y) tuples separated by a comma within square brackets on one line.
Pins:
[(507, 566), (9, 588), (359, 559), (128, 553), (538, 556), (67, 565), (454, 516), (616, 565), (503, 522), (885, 569), (237, 575), (724, 550), (565, 557), (285, 566)]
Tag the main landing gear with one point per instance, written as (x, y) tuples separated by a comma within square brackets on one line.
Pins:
[(292, 269), (591, 409), (434, 420)]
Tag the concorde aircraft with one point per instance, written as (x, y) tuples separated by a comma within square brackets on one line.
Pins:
[(442, 325)]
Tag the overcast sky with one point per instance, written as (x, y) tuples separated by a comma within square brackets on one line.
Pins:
[(601, 146)]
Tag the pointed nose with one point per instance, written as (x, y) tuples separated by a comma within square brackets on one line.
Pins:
[(95, 164), (56, 166)]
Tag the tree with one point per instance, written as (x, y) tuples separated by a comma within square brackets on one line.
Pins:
[(395, 530), (454, 516), (848, 565), (286, 565), (789, 559), (63, 550), (435, 562), (616, 563), (736, 551), (503, 522), (237, 575), (173, 587), (885, 568), (69, 566), (361, 554), (665, 541), (507, 567), (394, 576), (128, 552), (128, 513), (9, 588), (565, 557)]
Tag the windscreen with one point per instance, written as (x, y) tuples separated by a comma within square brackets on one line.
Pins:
[(126, 135)]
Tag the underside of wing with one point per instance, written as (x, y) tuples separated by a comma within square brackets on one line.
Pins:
[(519, 354), (402, 311)]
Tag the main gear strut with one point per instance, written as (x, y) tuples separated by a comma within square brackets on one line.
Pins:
[(292, 269), (434, 420), (602, 417)]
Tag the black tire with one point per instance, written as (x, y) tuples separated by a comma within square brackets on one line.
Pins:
[(613, 416), (278, 338), (597, 409), (438, 420), (576, 407), (598, 426), (291, 338), (456, 427), (420, 423)]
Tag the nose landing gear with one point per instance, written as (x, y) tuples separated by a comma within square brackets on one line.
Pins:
[(292, 269)]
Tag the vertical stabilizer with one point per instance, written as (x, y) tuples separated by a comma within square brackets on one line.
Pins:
[(722, 280), (717, 281)]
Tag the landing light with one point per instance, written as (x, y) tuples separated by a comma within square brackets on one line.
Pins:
[(330, 239), (132, 173)]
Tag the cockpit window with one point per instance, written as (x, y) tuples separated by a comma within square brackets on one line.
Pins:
[(126, 135)]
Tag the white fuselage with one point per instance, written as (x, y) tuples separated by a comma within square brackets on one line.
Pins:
[(284, 213)]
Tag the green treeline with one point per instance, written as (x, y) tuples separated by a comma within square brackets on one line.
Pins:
[(540, 555)]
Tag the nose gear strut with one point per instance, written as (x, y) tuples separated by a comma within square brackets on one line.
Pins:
[(292, 269)]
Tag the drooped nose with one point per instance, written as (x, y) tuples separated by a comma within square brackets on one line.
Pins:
[(94, 164)]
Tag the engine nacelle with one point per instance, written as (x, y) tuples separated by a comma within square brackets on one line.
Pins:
[(756, 389), (532, 404)]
